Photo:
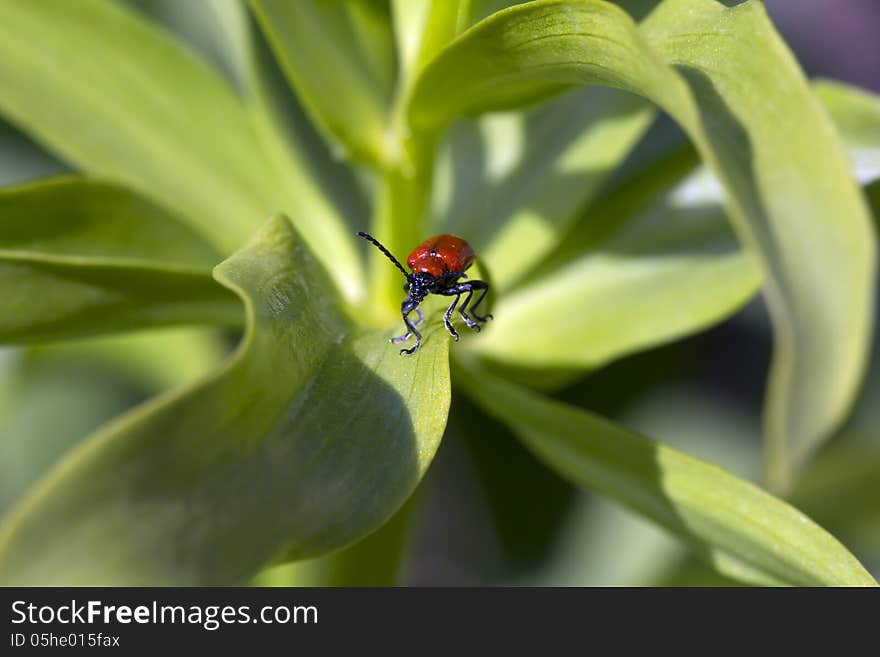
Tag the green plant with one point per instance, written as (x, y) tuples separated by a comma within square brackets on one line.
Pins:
[(314, 433)]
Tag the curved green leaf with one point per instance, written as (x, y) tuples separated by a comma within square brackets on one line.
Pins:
[(652, 262), (591, 312), (116, 96), (744, 532), (310, 437), (791, 198), (79, 258), (794, 203), (532, 51), (512, 179), (321, 47), (638, 268)]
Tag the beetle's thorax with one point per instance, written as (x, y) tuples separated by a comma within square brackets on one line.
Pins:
[(419, 285)]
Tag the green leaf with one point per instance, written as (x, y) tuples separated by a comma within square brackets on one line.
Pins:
[(651, 240), (46, 409), (668, 252), (230, 35), (689, 572), (728, 79), (515, 178), (841, 489), (86, 383), (79, 258), (330, 207), (21, 160), (744, 532), (530, 52), (856, 113), (311, 436), (376, 560), (154, 360), (423, 27), (795, 204), (165, 109), (484, 8), (652, 262), (217, 30), (135, 107), (327, 50)]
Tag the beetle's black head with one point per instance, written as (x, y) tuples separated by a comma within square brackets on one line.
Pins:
[(419, 285)]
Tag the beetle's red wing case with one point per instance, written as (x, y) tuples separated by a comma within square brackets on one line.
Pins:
[(440, 254)]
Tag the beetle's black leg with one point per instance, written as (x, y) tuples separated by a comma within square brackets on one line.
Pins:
[(479, 285), (470, 287), (447, 319), (463, 311), (406, 308), (417, 324)]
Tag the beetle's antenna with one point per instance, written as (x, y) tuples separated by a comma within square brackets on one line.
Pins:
[(372, 240)]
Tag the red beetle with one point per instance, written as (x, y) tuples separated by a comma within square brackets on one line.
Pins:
[(436, 266)]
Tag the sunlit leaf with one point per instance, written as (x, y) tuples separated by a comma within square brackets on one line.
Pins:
[(646, 267), (320, 46), (310, 437), (164, 109), (655, 222), (799, 211), (744, 532), (517, 179), (423, 27), (668, 219)]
